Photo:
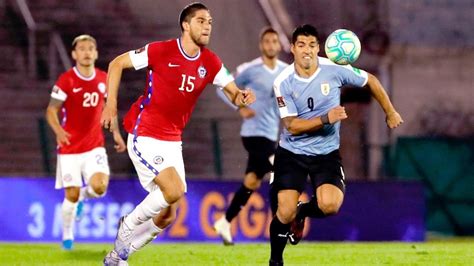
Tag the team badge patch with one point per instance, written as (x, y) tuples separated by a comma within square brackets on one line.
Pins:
[(101, 87), (325, 89), (140, 50), (281, 102), (356, 70), (158, 160), (202, 72)]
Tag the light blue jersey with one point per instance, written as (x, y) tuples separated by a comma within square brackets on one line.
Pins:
[(311, 97), (259, 78)]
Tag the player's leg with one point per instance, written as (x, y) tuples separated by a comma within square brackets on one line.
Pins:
[(68, 215), (148, 231), (170, 189), (95, 170), (327, 177), (160, 168), (260, 150), (68, 176), (289, 181)]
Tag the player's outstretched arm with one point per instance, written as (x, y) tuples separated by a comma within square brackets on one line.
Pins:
[(62, 136), (245, 112), (298, 126), (239, 98), (393, 118), (116, 67)]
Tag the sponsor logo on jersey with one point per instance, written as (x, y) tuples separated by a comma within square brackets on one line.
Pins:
[(281, 102), (325, 88), (101, 87), (158, 159), (172, 65), (202, 72), (76, 90), (140, 50)]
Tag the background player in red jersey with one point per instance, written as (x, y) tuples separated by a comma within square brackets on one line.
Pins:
[(178, 70), (80, 93)]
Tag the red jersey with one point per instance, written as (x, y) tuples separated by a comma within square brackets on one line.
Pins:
[(174, 83), (83, 99)]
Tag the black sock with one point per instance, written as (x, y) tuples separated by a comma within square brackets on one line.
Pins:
[(278, 238), (273, 196), (238, 202), (310, 209)]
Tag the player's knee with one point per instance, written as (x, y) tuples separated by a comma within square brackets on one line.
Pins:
[(173, 194), (286, 214), (329, 207), (100, 188), (73, 195), (253, 184)]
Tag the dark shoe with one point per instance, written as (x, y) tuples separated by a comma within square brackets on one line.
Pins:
[(296, 227), (275, 263)]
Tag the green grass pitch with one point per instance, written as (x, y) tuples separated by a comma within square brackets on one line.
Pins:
[(446, 252)]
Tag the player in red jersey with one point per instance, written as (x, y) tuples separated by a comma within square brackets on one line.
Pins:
[(178, 70), (80, 94)]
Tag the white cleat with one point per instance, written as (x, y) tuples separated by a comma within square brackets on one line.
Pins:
[(123, 239), (113, 259), (222, 227)]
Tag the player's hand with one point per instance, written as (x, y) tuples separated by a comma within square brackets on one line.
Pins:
[(119, 142), (246, 112), (108, 119), (393, 119), (336, 114), (62, 138), (245, 97)]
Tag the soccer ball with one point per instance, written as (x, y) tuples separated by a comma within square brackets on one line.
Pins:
[(342, 47)]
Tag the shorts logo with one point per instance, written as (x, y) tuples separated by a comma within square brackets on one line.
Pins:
[(158, 160), (101, 87), (202, 72), (325, 88), (281, 102), (140, 50), (67, 178)]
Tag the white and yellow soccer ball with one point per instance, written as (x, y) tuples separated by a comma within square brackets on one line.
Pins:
[(342, 47)]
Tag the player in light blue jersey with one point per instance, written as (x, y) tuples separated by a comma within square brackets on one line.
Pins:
[(260, 125), (308, 97)]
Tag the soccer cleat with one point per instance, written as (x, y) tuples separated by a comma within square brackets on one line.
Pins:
[(275, 263), (296, 227), (79, 211), (222, 228), (67, 244), (123, 240), (113, 259)]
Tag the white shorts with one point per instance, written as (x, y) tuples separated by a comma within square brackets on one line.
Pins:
[(71, 168), (150, 156)]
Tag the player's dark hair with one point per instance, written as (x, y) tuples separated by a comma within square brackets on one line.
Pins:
[(83, 37), (266, 31), (306, 30), (188, 12)]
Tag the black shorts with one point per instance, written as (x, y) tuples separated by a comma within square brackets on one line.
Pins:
[(292, 170), (260, 149)]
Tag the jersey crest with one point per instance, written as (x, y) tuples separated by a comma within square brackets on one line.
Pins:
[(202, 71), (325, 88)]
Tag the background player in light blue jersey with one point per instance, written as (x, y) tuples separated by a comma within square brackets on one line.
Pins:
[(308, 97), (260, 125)]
